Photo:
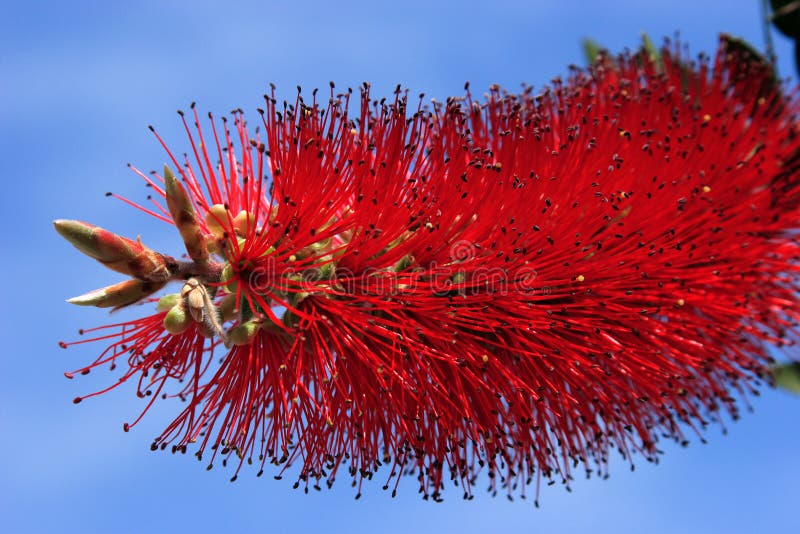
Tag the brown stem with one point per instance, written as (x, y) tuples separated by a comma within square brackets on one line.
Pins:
[(210, 271)]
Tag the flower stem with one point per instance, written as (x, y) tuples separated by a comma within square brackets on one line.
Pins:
[(210, 271)]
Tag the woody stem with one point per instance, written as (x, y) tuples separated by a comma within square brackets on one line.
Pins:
[(209, 271)]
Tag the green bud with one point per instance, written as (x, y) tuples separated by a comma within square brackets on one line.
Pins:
[(243, 222), (244, 333), (168, 301), (228, 307), (290, 319), (295, 298), (228, 278), (404, 263), (327, 271), (217, 219), (177, 320)]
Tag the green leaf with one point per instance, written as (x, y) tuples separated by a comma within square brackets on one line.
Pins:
[(652, 52), (787, 376), (591, 49), (649, 46)]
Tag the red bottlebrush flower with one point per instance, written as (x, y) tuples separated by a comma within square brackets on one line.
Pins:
[(520, 283)]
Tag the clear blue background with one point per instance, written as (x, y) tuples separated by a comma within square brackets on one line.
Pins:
[(80, 81)]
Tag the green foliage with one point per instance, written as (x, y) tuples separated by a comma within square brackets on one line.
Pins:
[(591, 50), (787, 376)]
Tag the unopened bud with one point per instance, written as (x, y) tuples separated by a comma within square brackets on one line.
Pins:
[(323, 245), (228, 307), (295, 298), (244, 333), (290, 319), (168, 301), (228, 278), (404, 263), (270, 250), (177, 320), (217, 219), (244, 222), (180, 207), (325, 271), (118, 295), (115, 252)]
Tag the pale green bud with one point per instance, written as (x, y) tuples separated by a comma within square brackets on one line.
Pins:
[(244, 333), (168, 301), (177, 320)]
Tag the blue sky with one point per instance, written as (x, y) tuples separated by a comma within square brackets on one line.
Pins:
[(80, 83)]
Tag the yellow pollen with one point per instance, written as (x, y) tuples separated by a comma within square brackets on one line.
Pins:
[(681, 302), (706, 118), (623, 195), (485, 358), (706, 189), (580, 278)]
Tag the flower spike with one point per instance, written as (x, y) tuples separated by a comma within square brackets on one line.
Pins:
[(519, 284)]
